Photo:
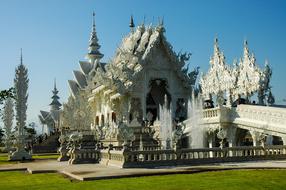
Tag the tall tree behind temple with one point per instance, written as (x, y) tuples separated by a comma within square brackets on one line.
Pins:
[(7, 117)]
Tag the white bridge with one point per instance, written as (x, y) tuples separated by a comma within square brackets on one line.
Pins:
[(262, 122)]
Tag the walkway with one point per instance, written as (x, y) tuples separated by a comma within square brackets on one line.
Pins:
[(86, 172)]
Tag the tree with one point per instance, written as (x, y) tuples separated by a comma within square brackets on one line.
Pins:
[(4, 94), (1, 135), (7, 117)]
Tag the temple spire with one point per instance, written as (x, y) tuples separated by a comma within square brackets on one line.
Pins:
[(131, 24), (216, 47), (93, 22), (21, 57), (161, 21), (245, 50), (93, 49), (55, 104)]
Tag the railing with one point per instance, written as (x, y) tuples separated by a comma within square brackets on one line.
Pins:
[(272, 120), (153, 158), (145, 148), (262, 113), (212, 112), (84, 156), (274, 115)]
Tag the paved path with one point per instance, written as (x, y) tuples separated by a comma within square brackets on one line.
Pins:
[(98, 171)]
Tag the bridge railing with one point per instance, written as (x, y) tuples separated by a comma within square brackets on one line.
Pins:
[(218, 114), (212, 112), (273, 115)]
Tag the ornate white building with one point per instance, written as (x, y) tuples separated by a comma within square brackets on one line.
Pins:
[(50, 119), (142, 102), (133, 84), (242, 80)]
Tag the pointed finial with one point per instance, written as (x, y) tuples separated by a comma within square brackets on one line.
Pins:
[(144, 19), (266, 62), (216, 48), (246, 50), (93, 21), (161, 21), (131, 24), (55, 85), (216, 39), (245, 42), (21, 57)]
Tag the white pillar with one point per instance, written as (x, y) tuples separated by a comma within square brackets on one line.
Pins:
[(210, 140), (284, 143), (229, 98), (283, 139), (255, 137)]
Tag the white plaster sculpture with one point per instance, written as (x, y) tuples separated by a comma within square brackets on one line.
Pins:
[(21, 95), (7, 117), (243, 79)]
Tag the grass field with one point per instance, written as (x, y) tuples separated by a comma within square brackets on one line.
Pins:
[(4, 158), (220, 180)]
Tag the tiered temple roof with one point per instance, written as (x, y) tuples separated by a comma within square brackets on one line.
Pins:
[(130, 58)]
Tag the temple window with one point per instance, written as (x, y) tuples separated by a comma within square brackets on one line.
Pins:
[(113, 116), (102, 119), (97, 120)]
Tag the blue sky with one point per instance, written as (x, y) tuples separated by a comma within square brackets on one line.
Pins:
[(54, 36)]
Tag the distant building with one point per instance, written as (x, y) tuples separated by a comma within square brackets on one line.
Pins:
[(50, 120)]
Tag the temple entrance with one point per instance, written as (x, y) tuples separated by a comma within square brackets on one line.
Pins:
[(243, 137), (155, 97)]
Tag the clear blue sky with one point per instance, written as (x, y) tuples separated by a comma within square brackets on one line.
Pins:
[(54, 36)]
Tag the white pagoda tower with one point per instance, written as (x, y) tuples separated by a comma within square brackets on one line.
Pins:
[(21, 95)]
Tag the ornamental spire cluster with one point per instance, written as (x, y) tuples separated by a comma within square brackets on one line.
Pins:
[(243, 79), (93, 49)]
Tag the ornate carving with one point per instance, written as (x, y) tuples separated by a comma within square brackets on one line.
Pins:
[(77, 113), (136, 109), (21, 95), (244, 78), (125, 132)]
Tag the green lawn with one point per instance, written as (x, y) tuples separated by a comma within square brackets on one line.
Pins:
[(220, 180), (4, 158), (45, 156)]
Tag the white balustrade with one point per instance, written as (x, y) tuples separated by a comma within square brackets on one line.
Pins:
[(218, 154)]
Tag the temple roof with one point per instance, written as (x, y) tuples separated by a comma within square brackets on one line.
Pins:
[(133, 54), (129, 60), (55, 104)]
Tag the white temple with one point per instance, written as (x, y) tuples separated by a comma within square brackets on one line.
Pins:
[(144, 106), (132, 86)]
